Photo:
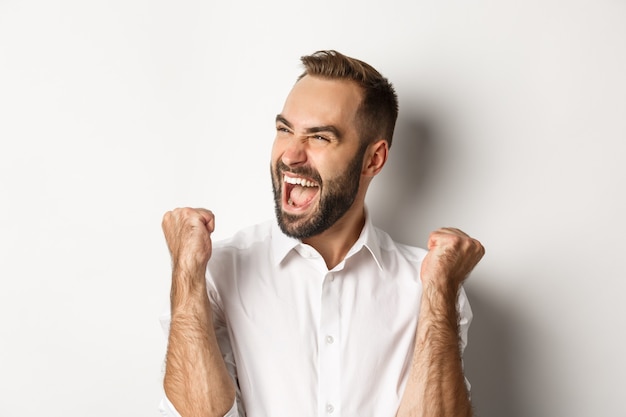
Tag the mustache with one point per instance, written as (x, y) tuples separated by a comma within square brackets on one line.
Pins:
[(304, 171)]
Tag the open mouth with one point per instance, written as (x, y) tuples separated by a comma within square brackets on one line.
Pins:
[(298, 192)]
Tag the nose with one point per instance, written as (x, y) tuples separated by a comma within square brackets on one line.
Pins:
[(294, 153)]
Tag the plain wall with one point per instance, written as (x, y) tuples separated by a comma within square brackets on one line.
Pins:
[(512, 127)]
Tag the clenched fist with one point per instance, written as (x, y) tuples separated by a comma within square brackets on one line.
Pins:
[(188, 235), (451, 256)]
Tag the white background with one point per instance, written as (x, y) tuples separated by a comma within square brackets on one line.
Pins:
[(512, 127)]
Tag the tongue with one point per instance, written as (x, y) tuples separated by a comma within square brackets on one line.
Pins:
[(301, 195)]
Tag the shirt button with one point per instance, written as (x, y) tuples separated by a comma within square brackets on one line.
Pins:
[(330, 340), (329, 408)]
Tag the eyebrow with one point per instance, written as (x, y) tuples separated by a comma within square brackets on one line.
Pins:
[(316, 129)]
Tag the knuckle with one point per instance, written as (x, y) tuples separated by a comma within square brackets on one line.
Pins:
[(186, 211), (455, 240)]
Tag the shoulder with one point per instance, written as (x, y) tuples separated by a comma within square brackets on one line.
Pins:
[(246, 251), (248, 246), (391, 248), (245, 238)]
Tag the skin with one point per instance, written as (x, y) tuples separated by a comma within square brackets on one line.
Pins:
[(316, 135), (436, 384), (317, 128), (196, 380)]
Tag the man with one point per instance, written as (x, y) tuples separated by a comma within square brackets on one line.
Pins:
[(317, 313)]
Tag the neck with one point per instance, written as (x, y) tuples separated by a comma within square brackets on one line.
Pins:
[(335, 242)]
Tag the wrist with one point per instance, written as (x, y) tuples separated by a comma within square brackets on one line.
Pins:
[(187, 283), (189, 266), (439, 303), (441, 286)]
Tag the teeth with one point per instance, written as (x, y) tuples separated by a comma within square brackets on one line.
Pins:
[(298, 181)]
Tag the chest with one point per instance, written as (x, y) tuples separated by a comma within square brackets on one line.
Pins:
[(319, 335)]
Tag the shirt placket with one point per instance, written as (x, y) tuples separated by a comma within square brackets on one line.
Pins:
[(329, 349)]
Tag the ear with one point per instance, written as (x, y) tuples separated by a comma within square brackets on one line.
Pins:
[(375, 157)]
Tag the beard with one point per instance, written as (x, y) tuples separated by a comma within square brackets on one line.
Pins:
[(336, 197)]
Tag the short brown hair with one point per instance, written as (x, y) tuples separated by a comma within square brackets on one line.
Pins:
[(379, 110)]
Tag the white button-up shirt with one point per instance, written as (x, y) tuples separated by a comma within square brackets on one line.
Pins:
[(302, 340)]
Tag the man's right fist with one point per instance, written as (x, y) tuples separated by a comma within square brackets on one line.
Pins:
[(188, 235)]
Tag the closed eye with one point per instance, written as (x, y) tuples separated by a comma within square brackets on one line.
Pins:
[(322, 138)]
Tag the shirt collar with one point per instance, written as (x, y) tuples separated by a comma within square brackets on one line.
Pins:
[(283, 244)]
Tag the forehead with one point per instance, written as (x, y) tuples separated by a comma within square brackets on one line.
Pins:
[(315, 101)]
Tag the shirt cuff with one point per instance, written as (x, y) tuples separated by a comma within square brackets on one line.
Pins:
[(167, 409)]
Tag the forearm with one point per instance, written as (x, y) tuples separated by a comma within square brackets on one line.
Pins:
[(436, 385), (196, 380)]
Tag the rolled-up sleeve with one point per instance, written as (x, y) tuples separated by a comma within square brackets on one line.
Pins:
[(167, 409), (465, 319)]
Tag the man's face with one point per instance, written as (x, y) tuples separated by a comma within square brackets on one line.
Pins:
[(317, 157)]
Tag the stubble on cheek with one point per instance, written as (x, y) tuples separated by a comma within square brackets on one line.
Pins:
[(336, 196)]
